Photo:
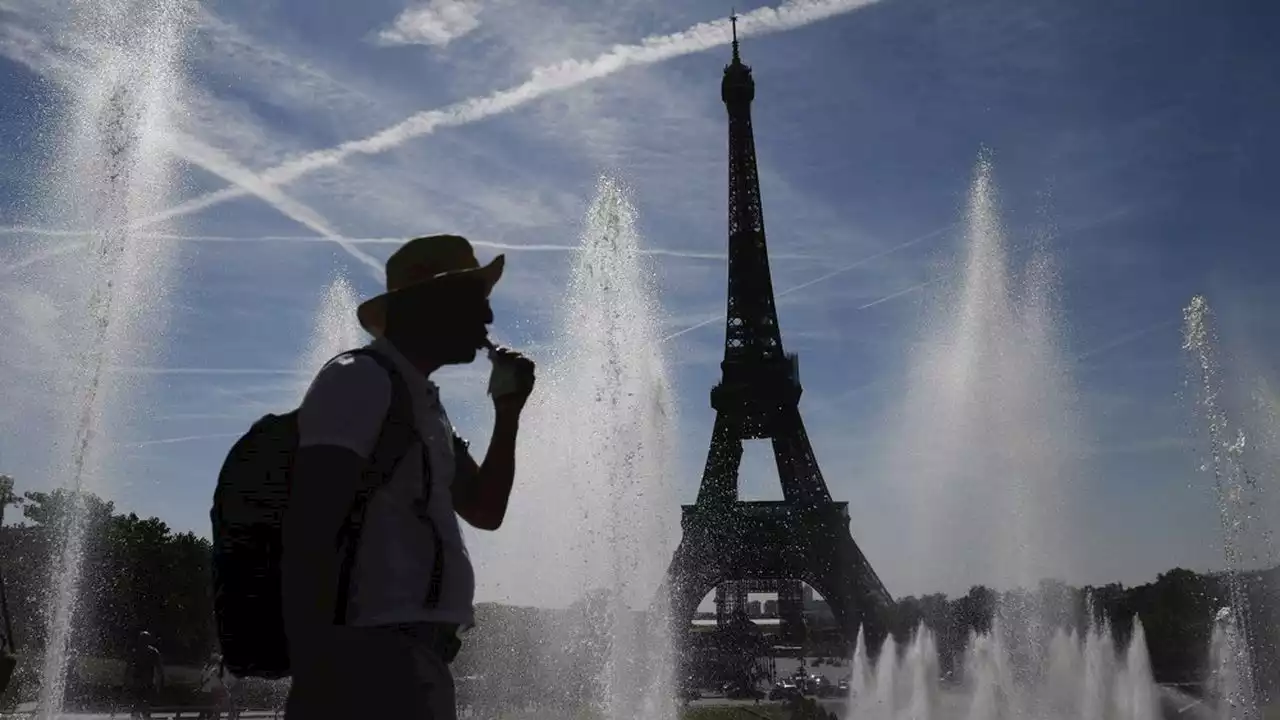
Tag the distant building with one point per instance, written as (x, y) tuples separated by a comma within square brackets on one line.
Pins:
[(816, 610)]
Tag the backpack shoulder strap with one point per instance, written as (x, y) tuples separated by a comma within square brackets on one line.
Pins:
[(399, 432), (399, 429)]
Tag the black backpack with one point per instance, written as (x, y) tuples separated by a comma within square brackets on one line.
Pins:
[(248, 506)]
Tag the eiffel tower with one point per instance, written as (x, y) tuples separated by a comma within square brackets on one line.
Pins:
[(735, 546)]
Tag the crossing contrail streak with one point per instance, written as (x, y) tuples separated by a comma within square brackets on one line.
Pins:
[(1127, 338), (71, 246), (220, 164), (183, 439), (846, 268), (542, 81), (828, 275), (900, 293), (245, 181)]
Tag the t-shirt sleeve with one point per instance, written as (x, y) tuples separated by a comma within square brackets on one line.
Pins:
[(346, 405)]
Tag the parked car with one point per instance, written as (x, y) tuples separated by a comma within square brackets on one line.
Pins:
[(784, 690), (740, 691), (822, 687)]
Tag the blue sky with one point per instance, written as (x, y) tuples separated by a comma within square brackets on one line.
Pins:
[(1135, 137)]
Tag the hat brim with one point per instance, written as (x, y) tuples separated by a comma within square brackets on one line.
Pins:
[(372, 313)]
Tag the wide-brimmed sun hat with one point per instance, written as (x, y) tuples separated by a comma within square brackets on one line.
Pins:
[(421, 261)]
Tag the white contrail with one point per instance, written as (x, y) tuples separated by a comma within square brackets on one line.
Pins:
[(396, 240), (846, 268), (183, 439), (828, 275), (220, 164), (245, 181), (542, 81), (904, 291), (45, 232), (1126, 338), (38, 257), (144, 370)]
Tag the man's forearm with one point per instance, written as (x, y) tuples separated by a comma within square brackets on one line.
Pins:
[(497, 472), (324, 480)]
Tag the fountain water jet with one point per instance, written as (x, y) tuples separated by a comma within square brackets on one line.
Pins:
[(114, 168), (988, 367), (989, 393), (1084, 677), (1233, 700), (336, 329), (592, 522), (1235, 487)]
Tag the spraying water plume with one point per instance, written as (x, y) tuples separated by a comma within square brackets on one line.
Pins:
[(987, 438), (113, 169), (592, 524), (1080, 677), (1235, 488), (988, 444), (336, 328)]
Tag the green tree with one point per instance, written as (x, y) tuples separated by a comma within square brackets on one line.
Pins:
[(7, 495)]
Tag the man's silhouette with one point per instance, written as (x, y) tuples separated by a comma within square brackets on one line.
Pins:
[(144, 674), (8, 644), (383, 648)]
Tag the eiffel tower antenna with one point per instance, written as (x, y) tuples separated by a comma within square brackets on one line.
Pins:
[(733, 21)]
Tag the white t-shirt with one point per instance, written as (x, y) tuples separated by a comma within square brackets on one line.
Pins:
[(345, 407)]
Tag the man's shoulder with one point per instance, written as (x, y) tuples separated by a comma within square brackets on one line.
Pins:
[(355, 370), (346, 403), (354, 362)]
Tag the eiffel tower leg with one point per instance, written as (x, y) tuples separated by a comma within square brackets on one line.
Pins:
[(720, 477), (790, 612), (839, 578), (802, 480), (694, 571)]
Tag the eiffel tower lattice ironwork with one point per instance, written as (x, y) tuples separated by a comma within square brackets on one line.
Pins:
[(734, 545)]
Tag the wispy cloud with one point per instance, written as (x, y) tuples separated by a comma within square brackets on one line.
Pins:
[(45, 58), (543, 81), (436, 23), (391, 192)]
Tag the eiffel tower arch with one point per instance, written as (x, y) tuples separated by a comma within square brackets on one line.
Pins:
[(734, 545)]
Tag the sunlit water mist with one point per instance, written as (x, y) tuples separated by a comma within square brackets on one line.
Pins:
[(336, 330), (1246, 534), (986, 441), (112, 169), (1232, 694), (1075, 677), (592, 521)]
